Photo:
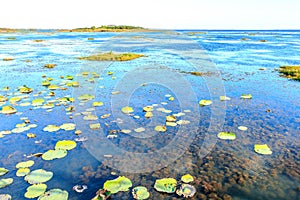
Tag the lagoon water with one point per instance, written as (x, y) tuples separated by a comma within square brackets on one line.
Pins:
[(232, 62)]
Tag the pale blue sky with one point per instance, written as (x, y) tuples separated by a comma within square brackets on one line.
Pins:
[(164, 14)]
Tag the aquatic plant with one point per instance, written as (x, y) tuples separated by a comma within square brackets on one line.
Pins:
[(28, 163), (140, 193), (54, 154), (3, 171), (119, 184), (65, 145), (8, 59), (160, 128), (205, 102), (110, 56), (22, 171), (8, 110), (227, 136), (49, 66), (5, 197), (262, 149), (187, 178), (291, 72), (6, 182), (54, 194), (224, 98), (186, 190), (127, 110), (102, 194), (35, 190), (246, 96), (26, 90), (38, 176), (167, 185)]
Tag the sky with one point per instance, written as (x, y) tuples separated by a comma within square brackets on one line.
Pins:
[(161, 14)]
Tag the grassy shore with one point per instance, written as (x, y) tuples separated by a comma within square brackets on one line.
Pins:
[(292, 72)]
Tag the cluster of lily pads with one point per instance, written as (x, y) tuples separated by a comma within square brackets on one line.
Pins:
[(165, 185), (258, 148)]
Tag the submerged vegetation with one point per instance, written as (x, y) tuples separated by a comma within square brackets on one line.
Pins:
[(110, 56), (292, 72)]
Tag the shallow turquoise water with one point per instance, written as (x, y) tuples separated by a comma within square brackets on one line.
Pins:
[(231, 167)]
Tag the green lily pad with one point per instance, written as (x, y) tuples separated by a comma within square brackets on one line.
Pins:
[(25, 164), (8, 110), (5, 197), (48, 106), (167, 185), (54, 194), (127, 110), (22, 171), (227, 136), (90, 117), (6, 182), (53, 87), (205, 102), (35, 190), (224, 98), (2, 98), (170, 118), (54, 154), (262, 149), (160, 128), (97, 103), (65, 145), (140, 193), (51, 128), (14, 99), (38, 176), (148, 108), (68, 126), (246, 96), (242, 128), (24, 89), (46, 83), (3, 171), (69, 77), (148, 114), (186, 190), (86, 97), (95, 126), (119, 184), (187, 178), (38, 102)]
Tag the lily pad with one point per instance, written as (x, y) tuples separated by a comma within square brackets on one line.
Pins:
[(119, 184), (69, 77), (65, 145), (171, 118), (224, 98), (3, 171), (2, 98), (22, 171), (54, 154), (148, 114), (90, 117), (97, 103), (5, 197), (140, 193), (53, 87), (68, 126), (49, 66), (38, 102), (46, 83), (35, 190), (127, 110), (51, 128), (262, 149), (205, 102), (187, 178), (167, 185), (6, 182), (183, 122), (86, 97), (171, 124), (160, 128), (28, 163), (148, 108), (139, 130), (15, 99), (54, 194), (24, 89), (95, 126), (246, 96), (227, 136), (186, 190), (242, 128), (38, 176), (8, 110)]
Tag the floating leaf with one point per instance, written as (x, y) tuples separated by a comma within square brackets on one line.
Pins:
[(38, 176), (90, 117), (48, 106), (148, 108), (126, 131), (3, 99), (23, 171), (171, 118), (140, 193), (50, 66), (205, 102), (171, 98), (6, 182), (242, 128), (186, 190), (171, 124), (25, 164), (227, 136), (20, 129), (119, 184), (65, 145), (51, 128), (53, 87), (5, 197), (139, 130), (24, 89), (167, 185), (95, 126), (187, 178), (262, 149), (127, 110), (15, 99), (38, 102), (86, 97), (69, 77), (183, 122), (97, 103), (54, 154), (246, 96), (160, 128), (68, 126), (149, 114), (224, 98), (46, 83), (35, 190), (3, 171), (54, 194), (8, 110)]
